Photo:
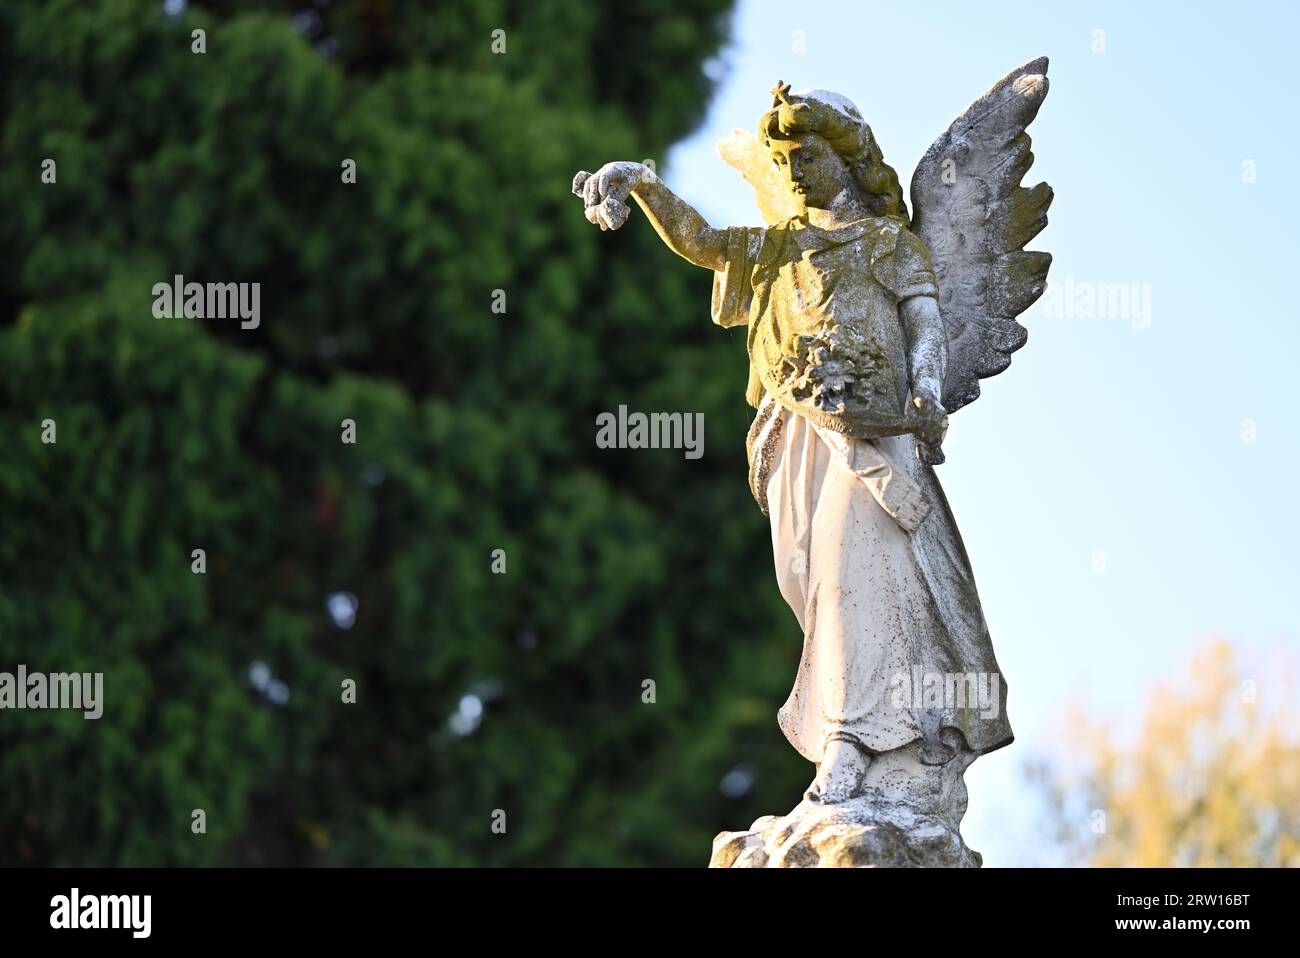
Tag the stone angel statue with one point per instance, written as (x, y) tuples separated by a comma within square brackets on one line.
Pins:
[(867, 327)]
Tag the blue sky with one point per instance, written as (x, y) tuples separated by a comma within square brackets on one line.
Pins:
[(1166, 440)]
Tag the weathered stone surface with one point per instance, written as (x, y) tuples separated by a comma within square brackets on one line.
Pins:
[(906, 814), (865, 832)]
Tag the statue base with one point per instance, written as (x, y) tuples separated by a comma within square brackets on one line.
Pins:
[(859, 833), (908, 815)]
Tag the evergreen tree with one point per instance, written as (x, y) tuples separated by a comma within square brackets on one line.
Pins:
[(455, 307)]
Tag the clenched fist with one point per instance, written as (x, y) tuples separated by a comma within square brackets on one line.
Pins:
[(605, 192)]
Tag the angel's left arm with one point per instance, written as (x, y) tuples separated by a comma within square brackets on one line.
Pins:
[(928, 341)]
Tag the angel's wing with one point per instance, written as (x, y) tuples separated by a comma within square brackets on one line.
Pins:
[(974, 216), (742, 151)]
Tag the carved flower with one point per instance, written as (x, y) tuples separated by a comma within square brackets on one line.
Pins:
[(835, 367), (820, 373)]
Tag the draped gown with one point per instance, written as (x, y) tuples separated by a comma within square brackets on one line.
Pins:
[(866, 550)]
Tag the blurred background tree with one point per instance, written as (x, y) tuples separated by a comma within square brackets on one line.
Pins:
[(372, 562), (1212, 779)]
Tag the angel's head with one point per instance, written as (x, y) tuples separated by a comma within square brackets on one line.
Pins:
[(822, 146)]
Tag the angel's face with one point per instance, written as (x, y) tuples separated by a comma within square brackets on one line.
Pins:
[(813, 171)]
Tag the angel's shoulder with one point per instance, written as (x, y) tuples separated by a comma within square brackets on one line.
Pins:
[(902, 264), (908, 245)]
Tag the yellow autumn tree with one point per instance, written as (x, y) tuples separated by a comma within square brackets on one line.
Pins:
[(1211, 779)]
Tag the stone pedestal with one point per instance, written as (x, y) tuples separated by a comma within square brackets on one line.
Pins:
[(908, 814)]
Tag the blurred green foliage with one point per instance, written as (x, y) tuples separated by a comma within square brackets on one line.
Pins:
[(475, 432)]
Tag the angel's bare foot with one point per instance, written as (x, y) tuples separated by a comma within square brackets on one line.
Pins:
[(840, 774)]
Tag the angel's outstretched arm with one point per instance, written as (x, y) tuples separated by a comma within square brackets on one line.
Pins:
[(678, 224)]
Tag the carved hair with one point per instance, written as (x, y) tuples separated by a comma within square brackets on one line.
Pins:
[(841, 125)]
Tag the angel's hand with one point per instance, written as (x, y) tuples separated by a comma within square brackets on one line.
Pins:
[(932, 425), (605, 192)]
